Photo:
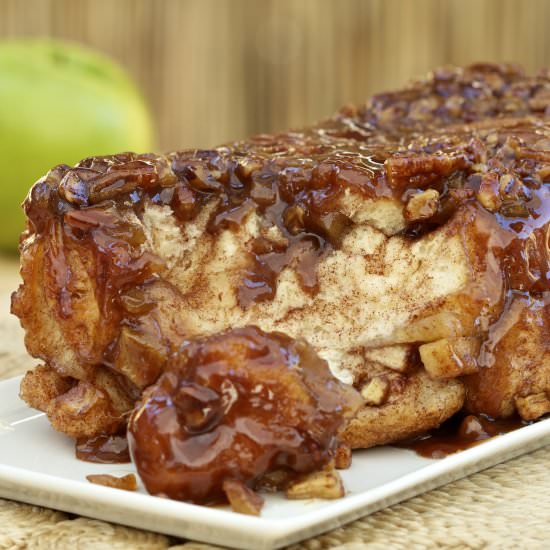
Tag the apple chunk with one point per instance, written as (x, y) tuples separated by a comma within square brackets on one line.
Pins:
[(59, 103), (533, 406), (450, 357)]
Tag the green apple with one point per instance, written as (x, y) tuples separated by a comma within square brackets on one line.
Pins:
[(59, 103)]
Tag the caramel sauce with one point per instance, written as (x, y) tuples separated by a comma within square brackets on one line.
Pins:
[(459, 433), (240, 405), (104, 449)]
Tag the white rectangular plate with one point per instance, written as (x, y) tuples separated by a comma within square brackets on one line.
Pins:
[(37, 465)]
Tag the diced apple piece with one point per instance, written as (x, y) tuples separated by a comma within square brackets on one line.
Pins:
[(444, 324), (533, 406), (375, 391), (126, 483), (450, 357), (398, 357)]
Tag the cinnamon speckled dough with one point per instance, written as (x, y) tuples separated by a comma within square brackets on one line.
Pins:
[(432, 401), (321, 233)]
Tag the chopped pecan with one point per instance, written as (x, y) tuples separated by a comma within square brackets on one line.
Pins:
[(242, 499), (323, 484), (419, 170), (488, 194), (422, 206)]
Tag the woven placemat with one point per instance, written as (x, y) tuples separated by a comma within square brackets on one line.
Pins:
[(507, 506)]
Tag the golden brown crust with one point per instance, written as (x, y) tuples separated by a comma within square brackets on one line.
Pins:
[(421, 405), (43, 384), (514, 360), (83, 411), (78, 408)]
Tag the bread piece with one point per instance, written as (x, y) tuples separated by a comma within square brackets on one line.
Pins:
[(307, 232)]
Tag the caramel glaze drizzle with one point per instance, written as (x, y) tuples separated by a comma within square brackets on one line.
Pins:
[(103, 449)]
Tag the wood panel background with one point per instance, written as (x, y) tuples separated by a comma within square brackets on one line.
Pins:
[(216, 70)]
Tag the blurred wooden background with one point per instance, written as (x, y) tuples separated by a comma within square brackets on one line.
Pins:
[(215, 70)]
